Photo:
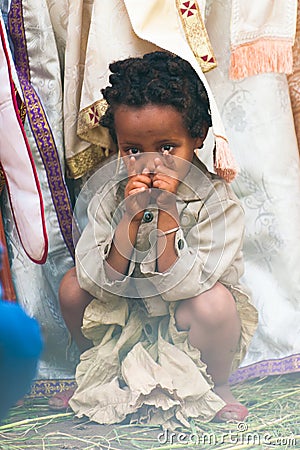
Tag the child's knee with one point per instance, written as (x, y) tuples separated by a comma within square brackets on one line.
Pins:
[(213, 307), (70, 293), (183, 316)]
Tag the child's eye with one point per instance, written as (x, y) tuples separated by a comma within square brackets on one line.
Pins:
[(133, 151), (167, 148)]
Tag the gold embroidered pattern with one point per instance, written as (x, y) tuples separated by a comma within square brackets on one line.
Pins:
[(23, 112), (21, 105), (89, 117), (101, 147), (83, 162), (47, 388), (196, 34)]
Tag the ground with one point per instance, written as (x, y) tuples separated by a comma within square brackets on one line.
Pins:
[(274, 422)]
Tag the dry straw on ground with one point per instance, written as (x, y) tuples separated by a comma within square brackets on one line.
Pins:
[(274, 423)]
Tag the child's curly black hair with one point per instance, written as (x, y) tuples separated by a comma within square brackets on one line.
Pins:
[(159, 78)]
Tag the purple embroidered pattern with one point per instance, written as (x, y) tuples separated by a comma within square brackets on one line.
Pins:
[(290, 364)]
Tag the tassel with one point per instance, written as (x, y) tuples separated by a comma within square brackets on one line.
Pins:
[(224, 162), (261, 56)]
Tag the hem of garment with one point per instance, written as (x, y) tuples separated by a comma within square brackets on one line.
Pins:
[(270, 367)]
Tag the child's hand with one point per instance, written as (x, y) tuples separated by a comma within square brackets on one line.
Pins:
[(166, 180), (137, 191)]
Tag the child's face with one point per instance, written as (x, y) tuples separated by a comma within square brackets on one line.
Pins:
[(147, 132)]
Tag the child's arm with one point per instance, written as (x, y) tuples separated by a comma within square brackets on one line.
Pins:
[(207, 252), (104, 250), (117, 262), (137, 196), (166, 179)]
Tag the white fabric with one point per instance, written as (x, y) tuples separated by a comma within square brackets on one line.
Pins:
[(37, 286), (262, 36), (16, 160), (252, 20), (258, 119)]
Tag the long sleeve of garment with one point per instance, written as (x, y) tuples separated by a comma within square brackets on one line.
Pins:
[(208, 244), (208, 252), (94, 245)]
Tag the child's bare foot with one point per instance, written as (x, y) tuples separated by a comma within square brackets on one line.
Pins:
[(233, 410), (60, 400)]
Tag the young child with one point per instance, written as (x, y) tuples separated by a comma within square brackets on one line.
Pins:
[(161, 259)]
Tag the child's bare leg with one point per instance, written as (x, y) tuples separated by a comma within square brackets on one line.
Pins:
[(73, 301), (214, 328)]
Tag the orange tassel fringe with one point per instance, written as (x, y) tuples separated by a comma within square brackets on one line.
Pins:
[(264, 55)]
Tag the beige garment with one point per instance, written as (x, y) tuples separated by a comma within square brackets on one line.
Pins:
[(141, 365), (262, 36)]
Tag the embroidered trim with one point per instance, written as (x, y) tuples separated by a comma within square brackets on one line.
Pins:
[(196, 34), (47, 388), (88, 129), (289, 364), (41, 128), (89, 117), (83, 162), (21, 106)]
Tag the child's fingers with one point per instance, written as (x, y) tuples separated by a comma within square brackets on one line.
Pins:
[(137, 190), (166, 175), (165, 182), (163, 185), (158, 162), (162, 168), (131, 170), (169, 160), (138, 184), (162, 177), (141, 178)]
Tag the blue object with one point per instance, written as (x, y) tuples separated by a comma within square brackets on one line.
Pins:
[(20, 347)]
